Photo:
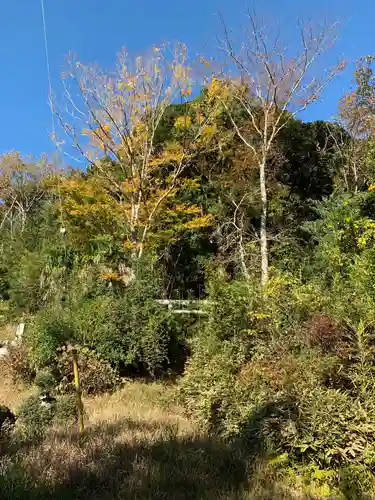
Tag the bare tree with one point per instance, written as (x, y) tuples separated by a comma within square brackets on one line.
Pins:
[(357, 117), (270, 87), (22, 187)]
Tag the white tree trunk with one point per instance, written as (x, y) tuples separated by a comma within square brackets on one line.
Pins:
[(134, 236), (263, 225)]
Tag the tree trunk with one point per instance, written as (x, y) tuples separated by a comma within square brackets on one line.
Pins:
[(134, 236), (263, 225), (355, 177)]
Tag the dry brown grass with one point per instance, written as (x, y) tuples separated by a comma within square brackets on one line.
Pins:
[(12, 393), (132, 448)]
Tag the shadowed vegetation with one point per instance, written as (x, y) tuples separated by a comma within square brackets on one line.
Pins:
[(210, 271)]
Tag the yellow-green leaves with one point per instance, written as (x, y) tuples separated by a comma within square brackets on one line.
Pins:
[(183, 122)]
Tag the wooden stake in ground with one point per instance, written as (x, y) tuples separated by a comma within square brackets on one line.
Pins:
[(81, 425)]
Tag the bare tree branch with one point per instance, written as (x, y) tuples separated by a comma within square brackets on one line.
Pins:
[(272, 90)]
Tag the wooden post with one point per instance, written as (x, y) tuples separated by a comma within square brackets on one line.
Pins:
[(81, 425)]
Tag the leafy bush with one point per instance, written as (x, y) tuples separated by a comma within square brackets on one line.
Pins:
[(38, 275), (129, 330), (243, 326), (18, 364), (146, 331), (241, 311), (49, 330), (349, 482), (356, 481), (35, 417), (26, 292), (96, 374), (207, 389), (278, 404), (229, 393), (333, 428), (126, 330), (226, 342), (66, 409), (45, 380), (278, 389), (232, 307)]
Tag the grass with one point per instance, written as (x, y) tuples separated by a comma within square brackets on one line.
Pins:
[(132, 448), (11, 393)]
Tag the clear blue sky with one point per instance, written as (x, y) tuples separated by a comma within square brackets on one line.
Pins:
[(96, 30)]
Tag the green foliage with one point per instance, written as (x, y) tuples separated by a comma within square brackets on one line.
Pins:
[(334, 428), (276, 381), (45, 380), (131, 329), (66, 409), (209, 386), (18, 364), (278, 405), (96, 375), (28, 291), (287, 369), (110, 330), (230, 311), (49, 330), (353, 481), (311, 158), (145, 329), (34, 417)]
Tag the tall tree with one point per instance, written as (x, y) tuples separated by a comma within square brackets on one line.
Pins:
[(357, 115), (22, 188), (114, 124), (270, 87)]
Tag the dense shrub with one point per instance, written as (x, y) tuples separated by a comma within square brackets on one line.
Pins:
[(278, 404), (66, 409), (130, 329), (45, 380), (27, 291), (146, 332), (353, 481), (96, 375), (49, 330), (325, 333), (207, 389), (333, 428), (232, 310), (18, 364), (126, 330), (275, 379), (224, 389), (34, 418)]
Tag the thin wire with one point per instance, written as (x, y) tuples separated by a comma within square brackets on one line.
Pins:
[(48, 68), (51, 106)]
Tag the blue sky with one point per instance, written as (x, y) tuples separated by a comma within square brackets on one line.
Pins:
[(96, 30)]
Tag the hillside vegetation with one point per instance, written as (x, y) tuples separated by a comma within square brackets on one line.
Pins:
[(211, 268)]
